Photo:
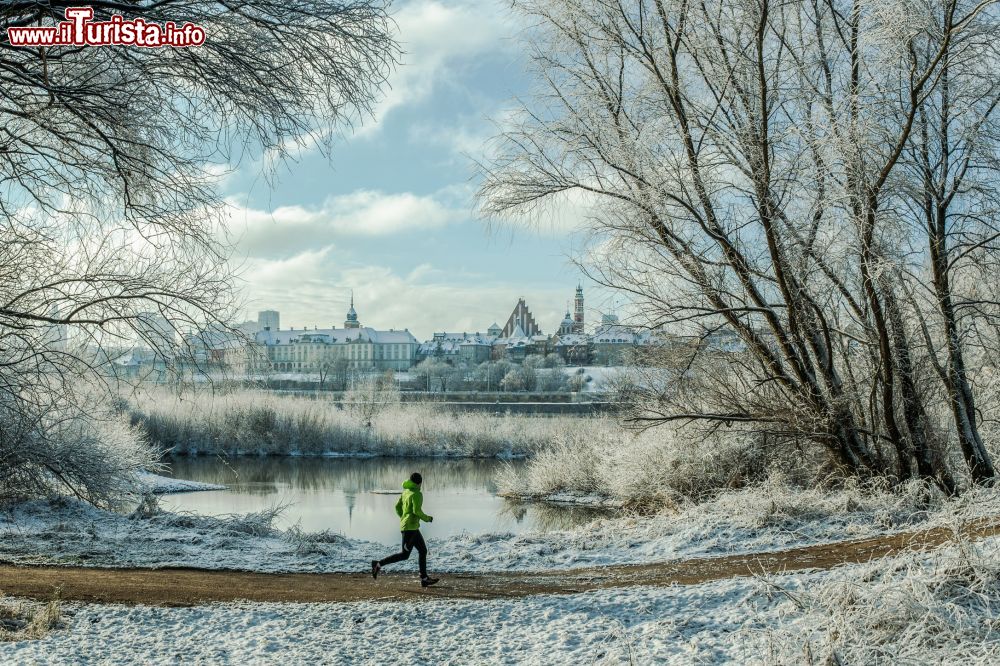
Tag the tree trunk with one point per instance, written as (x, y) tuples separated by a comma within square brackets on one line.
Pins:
[(963, 404), (929, 463)]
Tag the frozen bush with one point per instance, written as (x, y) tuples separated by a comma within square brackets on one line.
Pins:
[(312, 543), (371, 397), (254, 524), (650, 470), (81, 450)]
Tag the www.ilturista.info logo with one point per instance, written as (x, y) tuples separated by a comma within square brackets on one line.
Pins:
[(79, 30)]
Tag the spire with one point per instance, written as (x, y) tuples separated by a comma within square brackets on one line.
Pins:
[(352, 315)]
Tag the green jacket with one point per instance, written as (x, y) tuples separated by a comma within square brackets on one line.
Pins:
[(408, 507)]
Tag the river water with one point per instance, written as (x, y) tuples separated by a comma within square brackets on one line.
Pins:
[(355, 496)]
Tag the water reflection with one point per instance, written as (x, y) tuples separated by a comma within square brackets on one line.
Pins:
[(356, 496), (550, 517), (266, 475)]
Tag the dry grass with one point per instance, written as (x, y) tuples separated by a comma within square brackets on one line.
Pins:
[(24, 620), (261, 423), (938, 606)]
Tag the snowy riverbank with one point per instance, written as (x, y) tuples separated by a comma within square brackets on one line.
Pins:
[(751, 520), (935, 606), (165, 485)]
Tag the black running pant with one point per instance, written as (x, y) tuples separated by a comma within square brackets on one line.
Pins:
[(411, 539)]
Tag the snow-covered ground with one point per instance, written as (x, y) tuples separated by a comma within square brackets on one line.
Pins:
[(753, 520), (936, 607), (600, 377), (940, 606), (698, 624), (162, 485)]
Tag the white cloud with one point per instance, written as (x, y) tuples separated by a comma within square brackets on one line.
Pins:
[(288, 230), (469, 137), (438, 38)]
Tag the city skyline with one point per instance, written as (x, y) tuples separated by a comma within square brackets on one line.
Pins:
[(592, 319)]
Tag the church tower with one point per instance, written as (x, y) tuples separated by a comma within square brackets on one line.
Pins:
[(578, 323), (566, 327), (352, 315)]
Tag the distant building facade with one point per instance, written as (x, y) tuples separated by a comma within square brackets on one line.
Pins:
[(261, 345), (470, 348), (574, 349), (567, 325), (355, 346), (614, 344)]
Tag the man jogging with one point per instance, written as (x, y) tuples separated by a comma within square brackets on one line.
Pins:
[(410, 514)]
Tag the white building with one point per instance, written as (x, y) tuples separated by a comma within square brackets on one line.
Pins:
[(355, 346)]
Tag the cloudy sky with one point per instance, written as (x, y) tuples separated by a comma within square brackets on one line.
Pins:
[(391, 214)]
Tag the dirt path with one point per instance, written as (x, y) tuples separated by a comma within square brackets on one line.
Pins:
[(186, 587)]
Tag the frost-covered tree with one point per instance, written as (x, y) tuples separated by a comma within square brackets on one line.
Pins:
[(111, 229), (489, 374), (520, 378), (371, 396), (552, 380), (814, 175), (433, 374), (553, 361)]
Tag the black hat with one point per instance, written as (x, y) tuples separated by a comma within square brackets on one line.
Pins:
[(416, 478)]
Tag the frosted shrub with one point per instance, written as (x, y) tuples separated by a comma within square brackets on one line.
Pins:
[(575, 461), (652, 469), (254, 524), (84, 451), (370, 397), (776, 503), (658, 466), (311, 543)]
